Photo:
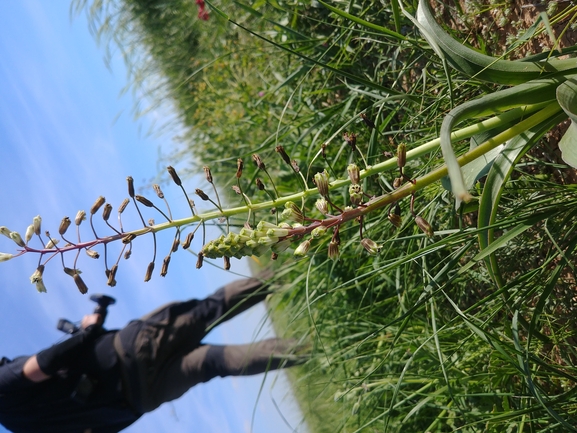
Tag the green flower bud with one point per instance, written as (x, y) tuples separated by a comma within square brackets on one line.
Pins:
[(322, 182), (395, 219), (354, 173), (356, 194), (319, 232), (292, 212), (401, 155), (303, 249)]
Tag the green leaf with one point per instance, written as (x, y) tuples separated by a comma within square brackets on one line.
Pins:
[(567, 98)]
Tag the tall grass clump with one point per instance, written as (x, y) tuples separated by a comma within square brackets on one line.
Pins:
[(439, 290)]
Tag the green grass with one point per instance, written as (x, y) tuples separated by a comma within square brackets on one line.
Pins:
[(431, 334)]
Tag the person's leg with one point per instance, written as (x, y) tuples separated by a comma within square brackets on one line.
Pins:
[(209, 361)]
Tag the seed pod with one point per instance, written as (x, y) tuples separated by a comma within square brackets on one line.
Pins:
[(226, 263), (322, 182), (239, 167), (64, 224), (174, 176), (188, 240), (130, 182), (295, 166), (97, 205), (199, 260), (127, 254), (351, 140), (280, 150), (151, 222), (371, 246), (207, 173), (303, 249), (92, 253), (259, 184), (165, 264), (112, 276), (236, 189), (37, 221), (128, 238), (149, 271), (201, 194), (258, 161), (175, 244), (29, 233), (424, 226), (106, 211), (69, 271), (82, 287), (401, 155), (367, 121), (354, 173), (397, 182), (80, 216), (123, 205), (158, 191), (144, 201)]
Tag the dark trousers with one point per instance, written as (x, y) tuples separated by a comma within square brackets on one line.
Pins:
[(163, 354)]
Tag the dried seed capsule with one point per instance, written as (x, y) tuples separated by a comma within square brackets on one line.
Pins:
[(354, 173), (397, 182), (144, 201), (149, 271), (259, 184), (199, 260), (123, 205), (239, 167), (82, 287), (130, 182), (207, 173), (127, 254), (395, 219), (258, 161), (322, 182), (274, 256), (175, 244), (424, 226), (351, 140), (367, 121), (92, 253), (158, 191), (69, 271), (280, 150), (37, 221), (401, 155), (371, 246), (80, 216), (188, 240), (112, 276), (165, 264), (236, 189), (106, 211), (295, 166), (151, 222), (128, 238), (97, 205), (64, 224), (174, 176), (226, 263), (201, 194), (333, 250)]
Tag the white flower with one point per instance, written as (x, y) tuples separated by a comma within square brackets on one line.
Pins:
[(29, 233), (15, 236), (4, 257)]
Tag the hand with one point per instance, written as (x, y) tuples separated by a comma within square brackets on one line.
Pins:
[(91, 319)]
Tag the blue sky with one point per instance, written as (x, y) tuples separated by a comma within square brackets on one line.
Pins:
[(67, 137)]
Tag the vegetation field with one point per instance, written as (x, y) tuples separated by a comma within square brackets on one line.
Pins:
[(435, 301)]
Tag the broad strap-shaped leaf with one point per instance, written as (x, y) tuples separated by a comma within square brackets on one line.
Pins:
[(567, 98), (481, 66)]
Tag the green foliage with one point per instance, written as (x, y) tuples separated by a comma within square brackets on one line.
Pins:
[(469, 330)]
